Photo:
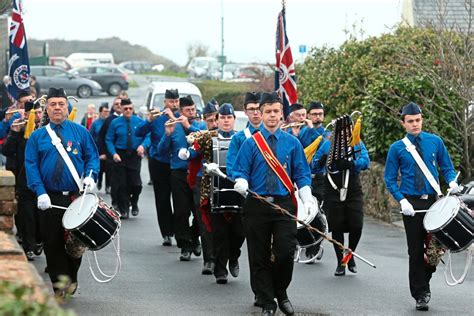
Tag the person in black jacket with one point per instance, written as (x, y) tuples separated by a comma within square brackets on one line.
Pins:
[(26, 217)]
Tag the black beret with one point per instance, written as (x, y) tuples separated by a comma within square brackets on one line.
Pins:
[(31, 105), (125, 102), (411, 109), (252, 97), (316, 106), (226, 109), (171, 94), (186, 101), (209, 108), (269, 97), (56, 93), (296, 107), (23, 93)]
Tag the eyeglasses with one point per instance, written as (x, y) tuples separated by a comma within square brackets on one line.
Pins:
[(255, 110), (127, 109), (316, 114)]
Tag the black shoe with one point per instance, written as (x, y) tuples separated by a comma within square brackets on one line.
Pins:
[(268, 312), (208, 268), (222, 279), (197, 250), (38, 249), (286, 307), (422, 304), (135, 210), (30, 255), (185, 256), (167, 241), (352, 266), (340, 270), (257, 303), (234, 268)]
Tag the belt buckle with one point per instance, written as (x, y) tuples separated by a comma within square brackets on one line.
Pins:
[(270, 199), (424, 197), (65, 192)]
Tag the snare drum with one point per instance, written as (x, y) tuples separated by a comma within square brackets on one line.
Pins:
[(95, 225), (223, 198), (450, 222)]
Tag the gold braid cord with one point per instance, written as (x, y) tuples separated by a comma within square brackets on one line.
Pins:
[(205, 145)]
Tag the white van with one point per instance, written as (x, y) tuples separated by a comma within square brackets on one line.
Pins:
[(198, 66), (156, 93), (87, 59)]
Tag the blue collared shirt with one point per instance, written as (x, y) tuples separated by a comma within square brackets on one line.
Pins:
[(41, 158), (361, 158), (434, 154), (251, 166), (306, 135), (6, 125), (95, 129), (321, 130), (234, 147), (116, 137), (156, 130)]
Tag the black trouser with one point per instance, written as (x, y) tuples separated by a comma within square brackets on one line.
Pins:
[(186, 237), (102, 170), (26, 219), (261, 223), (419, 272), (128, 178), (206, 236), (160, 175), (111, 170), (228, 239), (52, 233), (317, 187)]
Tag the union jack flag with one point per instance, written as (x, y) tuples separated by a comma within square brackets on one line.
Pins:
[(18, 64), (285, 76)]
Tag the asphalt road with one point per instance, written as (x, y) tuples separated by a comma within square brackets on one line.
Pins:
[(153, 281)]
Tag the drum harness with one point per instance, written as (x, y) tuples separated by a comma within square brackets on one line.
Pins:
[(56, 141), (450, 279)]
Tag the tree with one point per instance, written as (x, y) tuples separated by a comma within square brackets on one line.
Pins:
[(196, 49)]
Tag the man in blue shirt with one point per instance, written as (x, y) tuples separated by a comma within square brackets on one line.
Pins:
[(270, 233), (187, 237), (50, 179), (127, 151), (94, 130), (159, 164), (306, 134), (416, 193)]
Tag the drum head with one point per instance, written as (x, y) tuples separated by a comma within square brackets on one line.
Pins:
[(303, 215), (436, 218), (73, 217)]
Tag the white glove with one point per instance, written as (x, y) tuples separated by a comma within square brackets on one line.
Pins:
[(241, 186), (407, 208), (88, 183), (44, 202), (309, 203), (183, 154), (454, 187), (211, 167)]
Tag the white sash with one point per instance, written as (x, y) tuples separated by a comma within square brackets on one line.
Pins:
[(419, 161), (247, 133), (56, 141)]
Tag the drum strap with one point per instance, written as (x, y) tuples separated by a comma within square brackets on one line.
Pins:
[(56, 141), (247, 133), (274, 164), (419, 161)]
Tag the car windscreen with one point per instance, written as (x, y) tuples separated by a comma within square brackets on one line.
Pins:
[(158, 99)]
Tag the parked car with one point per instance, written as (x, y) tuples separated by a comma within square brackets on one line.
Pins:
[(156, 93), (112, 78), (55, 77)]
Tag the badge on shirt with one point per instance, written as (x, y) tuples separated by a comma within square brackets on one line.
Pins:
[(285, 165), (69, 144), (75, 151)]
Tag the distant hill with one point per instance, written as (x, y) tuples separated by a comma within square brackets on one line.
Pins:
[(122, 50)]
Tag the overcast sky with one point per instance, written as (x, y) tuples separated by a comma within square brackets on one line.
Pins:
[(166, 27)]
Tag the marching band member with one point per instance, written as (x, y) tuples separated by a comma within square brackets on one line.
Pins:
[(416, 192), (269, 232), (26, 219), (347, 215), (95, 130), (316, 115), (127, 151), (160, 171), (187, 237), (51, 180), (306, 134)]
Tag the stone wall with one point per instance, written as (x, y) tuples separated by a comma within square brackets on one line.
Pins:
[(378, 202)]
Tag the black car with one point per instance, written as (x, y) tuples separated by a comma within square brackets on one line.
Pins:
[(112, 78)]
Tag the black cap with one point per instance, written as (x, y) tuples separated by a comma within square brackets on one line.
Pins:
[(209, 108), (296, 107), (56, 93), (23, 93), (31, 105), (171, 94), (252, 97), (411, 109), (186, 101), (125, 102), (316, 106), (269, 97), (226, 109)]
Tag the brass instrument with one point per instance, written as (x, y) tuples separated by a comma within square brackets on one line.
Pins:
[(156, 113), (20, 122), (174, 121), (12, 111), (293, 124), (196, 136)]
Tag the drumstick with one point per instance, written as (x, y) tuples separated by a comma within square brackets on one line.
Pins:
[(60, 207), (449, 192), (84, 194)]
